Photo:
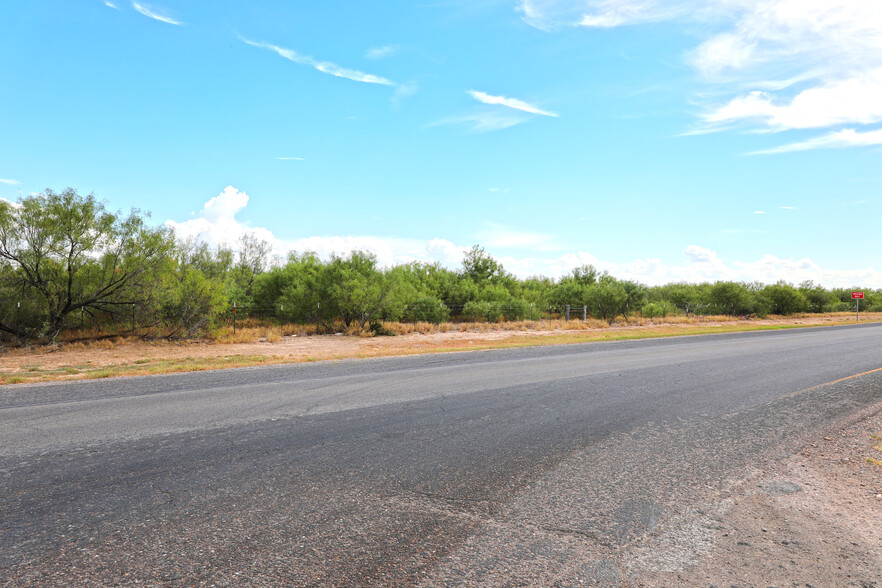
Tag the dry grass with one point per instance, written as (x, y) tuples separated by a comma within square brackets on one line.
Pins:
[(257, 343)]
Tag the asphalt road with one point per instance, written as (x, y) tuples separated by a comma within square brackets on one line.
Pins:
[(540, 466)]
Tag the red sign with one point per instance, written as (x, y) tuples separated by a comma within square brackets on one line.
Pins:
[(857, 294)]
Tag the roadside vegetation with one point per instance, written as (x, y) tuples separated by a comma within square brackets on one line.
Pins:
[(72, 271)]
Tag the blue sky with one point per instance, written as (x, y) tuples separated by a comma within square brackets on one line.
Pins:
[(662, 141)]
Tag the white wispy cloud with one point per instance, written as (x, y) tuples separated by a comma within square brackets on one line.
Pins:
[(834, 140), (482, 122), (855, 100), (111, 5), (9, 182), (774, 65), (382, 52), (759, 212), (787, 207), (552, 14), (323, 66), (155, 14), (403, 92), (831, 54), (291, 158), (509, 103)]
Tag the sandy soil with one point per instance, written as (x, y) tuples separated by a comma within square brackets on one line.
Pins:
[(814, 519), (135, 356)]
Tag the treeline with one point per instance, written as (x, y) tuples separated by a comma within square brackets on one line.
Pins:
[(66, 263)]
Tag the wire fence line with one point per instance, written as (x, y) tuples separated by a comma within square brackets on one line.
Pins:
[(132, 318)]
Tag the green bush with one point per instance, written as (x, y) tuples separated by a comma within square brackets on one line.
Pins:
[(516, 309), (427, 309), (477, 310)]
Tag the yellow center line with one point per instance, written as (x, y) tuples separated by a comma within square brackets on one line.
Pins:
[(835, 381)]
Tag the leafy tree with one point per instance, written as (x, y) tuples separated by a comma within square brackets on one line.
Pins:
[(214, 264), (253, 258), (784, 298), (476, 310), (480, 268), (189, 302), (584, 275), (635, 297), (516, 309), (66, 253), (610, 299), (299, 291), (427, 309), (572, 293), (689, 298), (816, 296), (537, 291), (362, 294)]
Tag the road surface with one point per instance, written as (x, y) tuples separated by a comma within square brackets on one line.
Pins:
[(541, 466)]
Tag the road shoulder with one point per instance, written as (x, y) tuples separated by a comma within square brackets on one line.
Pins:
[(812, 519)]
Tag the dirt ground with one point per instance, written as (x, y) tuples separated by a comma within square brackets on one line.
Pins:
[(814, 519), (133, 356)]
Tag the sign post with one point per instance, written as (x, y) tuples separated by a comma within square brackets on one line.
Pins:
[(856, 296)]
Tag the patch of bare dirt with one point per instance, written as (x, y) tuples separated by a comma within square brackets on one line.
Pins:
[(79, 360), (813, 520)]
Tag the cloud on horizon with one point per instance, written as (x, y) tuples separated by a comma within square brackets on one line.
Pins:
[(216, 223)]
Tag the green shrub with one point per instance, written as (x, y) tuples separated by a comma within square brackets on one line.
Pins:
[(427, 309)]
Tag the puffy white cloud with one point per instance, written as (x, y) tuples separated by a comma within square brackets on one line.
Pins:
[(830, 53), (10, 202), (217, 224), (855, 100), (776, 65)]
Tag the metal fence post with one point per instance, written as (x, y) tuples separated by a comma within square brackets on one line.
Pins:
[(568, 313), (584, 313)]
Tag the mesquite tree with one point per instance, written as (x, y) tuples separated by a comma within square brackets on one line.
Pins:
[(65, 253)]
